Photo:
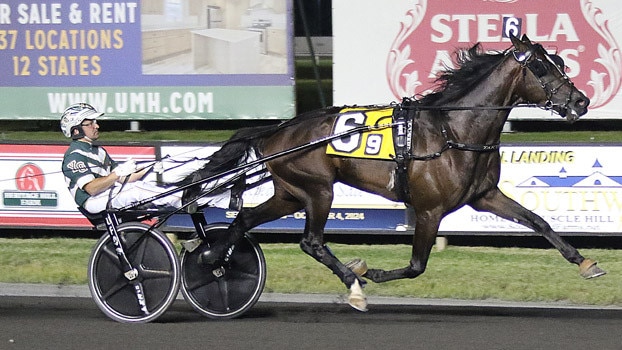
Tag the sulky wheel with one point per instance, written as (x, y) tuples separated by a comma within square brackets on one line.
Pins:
[(228, 290), (153, 255)]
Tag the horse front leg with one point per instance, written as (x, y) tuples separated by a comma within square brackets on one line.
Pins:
[(426, 229), (499, 204)]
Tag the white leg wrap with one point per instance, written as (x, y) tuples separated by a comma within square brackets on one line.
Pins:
[(357, 298)]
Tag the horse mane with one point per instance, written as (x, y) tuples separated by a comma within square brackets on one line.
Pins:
[(473, 64)]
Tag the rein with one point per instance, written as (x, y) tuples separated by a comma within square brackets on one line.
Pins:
[(450, 144), (404, 150), (475, 108)]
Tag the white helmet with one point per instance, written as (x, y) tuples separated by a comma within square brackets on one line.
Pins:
[(73, 117)]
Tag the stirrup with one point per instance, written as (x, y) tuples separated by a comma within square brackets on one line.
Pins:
[(191, 244), (192, 208)]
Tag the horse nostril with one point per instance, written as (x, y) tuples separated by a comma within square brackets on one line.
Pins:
[(583, 103)]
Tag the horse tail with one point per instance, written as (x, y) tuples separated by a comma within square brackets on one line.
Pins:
[(233, 150), (230, 155)]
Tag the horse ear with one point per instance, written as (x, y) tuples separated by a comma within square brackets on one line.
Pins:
[(519, 45), (525, 39)]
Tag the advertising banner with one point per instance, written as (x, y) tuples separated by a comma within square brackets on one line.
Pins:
[(577, 189), (33, 188), (149, 59), (410, 41)]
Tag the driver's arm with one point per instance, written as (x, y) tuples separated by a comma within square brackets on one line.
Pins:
[(100, 184)]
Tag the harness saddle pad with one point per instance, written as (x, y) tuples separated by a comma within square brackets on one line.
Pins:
[(373, 144)]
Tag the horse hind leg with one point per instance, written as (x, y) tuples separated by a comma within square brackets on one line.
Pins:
[(324, 255), (312, 243), (248, 218)]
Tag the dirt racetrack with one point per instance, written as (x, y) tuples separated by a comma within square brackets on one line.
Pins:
[(44, 322)]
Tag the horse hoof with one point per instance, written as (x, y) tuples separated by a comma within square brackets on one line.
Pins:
[(358, 266), (357, 298), (588, 269)]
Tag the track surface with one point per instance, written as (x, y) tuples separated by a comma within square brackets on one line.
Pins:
[(44, 322)]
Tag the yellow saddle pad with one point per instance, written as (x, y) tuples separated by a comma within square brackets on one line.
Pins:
[(373, 144)]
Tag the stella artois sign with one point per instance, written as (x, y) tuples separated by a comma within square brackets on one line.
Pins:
[(411, 40)]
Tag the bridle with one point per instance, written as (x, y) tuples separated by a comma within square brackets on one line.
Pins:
[(537, 67), (527, 60)]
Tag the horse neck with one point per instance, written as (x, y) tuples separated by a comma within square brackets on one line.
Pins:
[(491, 100)]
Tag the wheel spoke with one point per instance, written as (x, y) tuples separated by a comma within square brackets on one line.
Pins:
[(141, 248), (141, 299), (118, 285), (245, 275), (197, 283), (223, 287), (109, 252), (138, 248), (147, 274)]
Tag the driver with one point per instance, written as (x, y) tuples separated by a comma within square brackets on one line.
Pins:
[(91, 174)]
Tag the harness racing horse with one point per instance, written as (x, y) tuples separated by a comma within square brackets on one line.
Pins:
[(453, 160)]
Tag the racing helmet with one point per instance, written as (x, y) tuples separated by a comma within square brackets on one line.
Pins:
[(73, 117)]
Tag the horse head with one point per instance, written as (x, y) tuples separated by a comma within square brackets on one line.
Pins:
[(546, 82)]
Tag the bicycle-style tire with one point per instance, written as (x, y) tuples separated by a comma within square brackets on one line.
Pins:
[(155, 258), (224, 291)]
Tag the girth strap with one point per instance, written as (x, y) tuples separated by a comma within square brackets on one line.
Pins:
[(402, 139)]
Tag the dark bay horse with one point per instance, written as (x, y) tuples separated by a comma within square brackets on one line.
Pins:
[(453, 159)]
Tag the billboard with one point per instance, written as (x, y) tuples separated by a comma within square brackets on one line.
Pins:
[(577, 189), (411, 40), (149, 59), (33, 188)]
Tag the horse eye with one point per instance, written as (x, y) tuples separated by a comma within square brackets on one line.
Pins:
[(538, 68)]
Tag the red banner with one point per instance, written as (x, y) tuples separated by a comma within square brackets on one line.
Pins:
[(420, 38), (33, 188)]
